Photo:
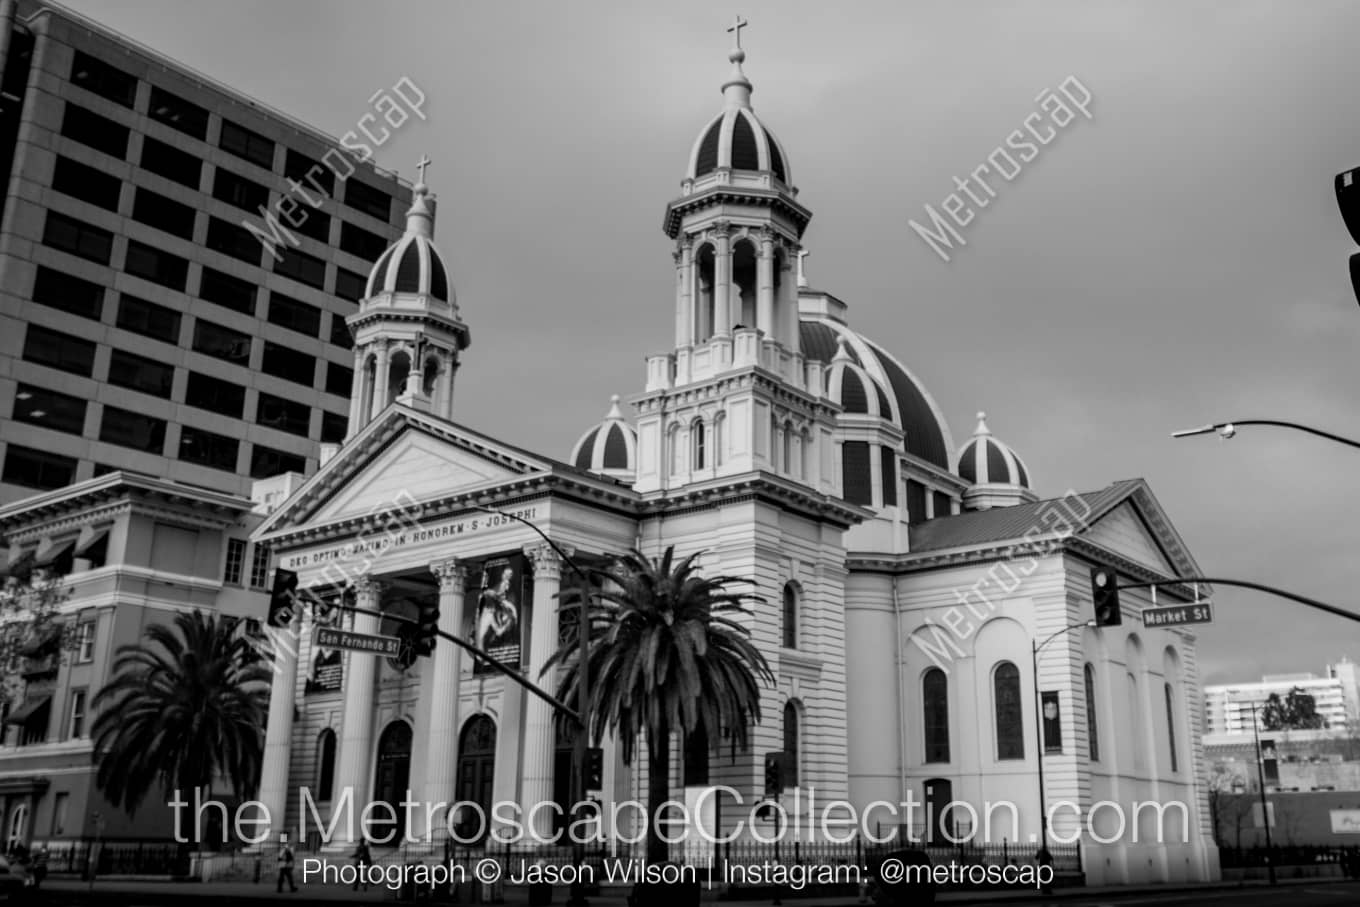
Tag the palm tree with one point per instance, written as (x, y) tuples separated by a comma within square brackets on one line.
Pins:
[(667, 654), (185, 705)]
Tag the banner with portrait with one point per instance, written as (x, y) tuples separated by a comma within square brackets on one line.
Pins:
[(501, 594)]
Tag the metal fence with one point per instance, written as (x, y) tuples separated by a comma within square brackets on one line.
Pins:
[(1255, 857), (117, 857)]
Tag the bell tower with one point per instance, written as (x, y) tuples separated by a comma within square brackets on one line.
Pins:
[(736, 393), (408, 333)]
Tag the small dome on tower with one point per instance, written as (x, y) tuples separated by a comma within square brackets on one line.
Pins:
[(413, 264), (736, 138), (997, 473), (609, 448)]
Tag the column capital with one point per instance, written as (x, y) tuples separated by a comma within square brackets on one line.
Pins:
[(367, 586), (721, 230), (452, 574), (547, 562)]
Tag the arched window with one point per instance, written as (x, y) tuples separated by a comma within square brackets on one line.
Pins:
[(791, 742), (699, 438), (1009, 706), (368, 387), (935, 712), (696, 757), (719, 438), (788, 449), (790, 616), (1171, 726), (325, 764), (1092, 730), (804, 442)]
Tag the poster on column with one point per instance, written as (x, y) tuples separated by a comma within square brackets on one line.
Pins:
[(499, 600)]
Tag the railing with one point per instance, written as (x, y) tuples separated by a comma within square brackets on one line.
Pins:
[(1305, 855), (117, 857)]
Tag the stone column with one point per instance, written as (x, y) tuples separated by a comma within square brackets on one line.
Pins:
[(788, 299), (765, 314), (441, 737), (539, 738), (354, 770), (684, 299), (278, 735), (356, 403), (380, 380), (722, 281)]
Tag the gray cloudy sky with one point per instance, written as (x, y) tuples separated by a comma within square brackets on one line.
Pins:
[(1176, 260)]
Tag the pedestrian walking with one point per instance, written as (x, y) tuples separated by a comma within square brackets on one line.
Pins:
[(286, 868), (362, 857)]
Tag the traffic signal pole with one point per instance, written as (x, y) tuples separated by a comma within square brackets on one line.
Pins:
[(1247, 584)]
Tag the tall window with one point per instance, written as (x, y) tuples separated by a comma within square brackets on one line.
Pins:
[(790, 616), (700, 441), (935, 703), (791, 742), (1010, 721), (259, 566), (77, 726), (325, 764), (1171, 726), (85, 642), (786, 457), (1092, 731)]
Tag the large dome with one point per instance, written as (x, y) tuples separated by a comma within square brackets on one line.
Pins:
[(413, 263), (896, 394), (736, 139)]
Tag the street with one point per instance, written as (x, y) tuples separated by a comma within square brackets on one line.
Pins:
[(147, 894)]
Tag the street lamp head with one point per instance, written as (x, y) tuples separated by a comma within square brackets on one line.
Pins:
[(1226, 431)]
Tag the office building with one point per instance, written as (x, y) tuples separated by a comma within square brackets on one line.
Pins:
[(143, 325)]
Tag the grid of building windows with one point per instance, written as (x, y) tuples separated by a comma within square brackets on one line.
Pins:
[(199, 149)]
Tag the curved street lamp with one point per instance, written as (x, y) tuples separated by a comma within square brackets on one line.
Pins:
[(1227, 430), (1039, 723)]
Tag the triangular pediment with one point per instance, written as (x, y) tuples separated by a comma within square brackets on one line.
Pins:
[(1123, 529), (414, 466), (403, 457)]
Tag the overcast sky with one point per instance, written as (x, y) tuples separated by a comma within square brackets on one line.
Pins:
[(1175, 260)]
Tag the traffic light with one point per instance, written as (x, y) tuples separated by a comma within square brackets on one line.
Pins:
[(426, 629), (283, 606), (1105, 596), (1348, 200), (595, 768), (774, 774)]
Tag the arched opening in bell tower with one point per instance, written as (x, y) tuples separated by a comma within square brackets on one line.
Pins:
[(397, 371), (744, 283), (704, 277), (367, 384), (429, 375)]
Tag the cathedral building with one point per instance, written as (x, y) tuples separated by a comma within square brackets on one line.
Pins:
[(904, 581)]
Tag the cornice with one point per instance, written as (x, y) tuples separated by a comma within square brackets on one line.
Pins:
[(676, 210), (759, 486)]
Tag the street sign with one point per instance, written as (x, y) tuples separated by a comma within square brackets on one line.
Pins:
[(331, 638), (1198, 613)]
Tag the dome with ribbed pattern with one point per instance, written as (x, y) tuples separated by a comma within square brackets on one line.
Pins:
[(609, 448), (984, 460), (413, 264), (736, 139)]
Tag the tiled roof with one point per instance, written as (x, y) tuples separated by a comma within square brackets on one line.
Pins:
[(1002, 523)]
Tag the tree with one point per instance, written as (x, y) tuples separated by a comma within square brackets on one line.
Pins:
[(1228, 807), (185, 705), (667, 654), (1296, 711), (30, 610)]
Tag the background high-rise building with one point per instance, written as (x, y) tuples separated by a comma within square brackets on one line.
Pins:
[(1336, 697), (142, 326)]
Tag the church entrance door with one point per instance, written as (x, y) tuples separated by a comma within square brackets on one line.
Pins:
[(393, 775), (476, 774), (939, 796)]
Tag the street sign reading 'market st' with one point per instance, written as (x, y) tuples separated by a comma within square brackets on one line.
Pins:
[(1198, 613), (331, 638)]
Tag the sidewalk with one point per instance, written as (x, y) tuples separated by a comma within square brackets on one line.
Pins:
[(176, 893)]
